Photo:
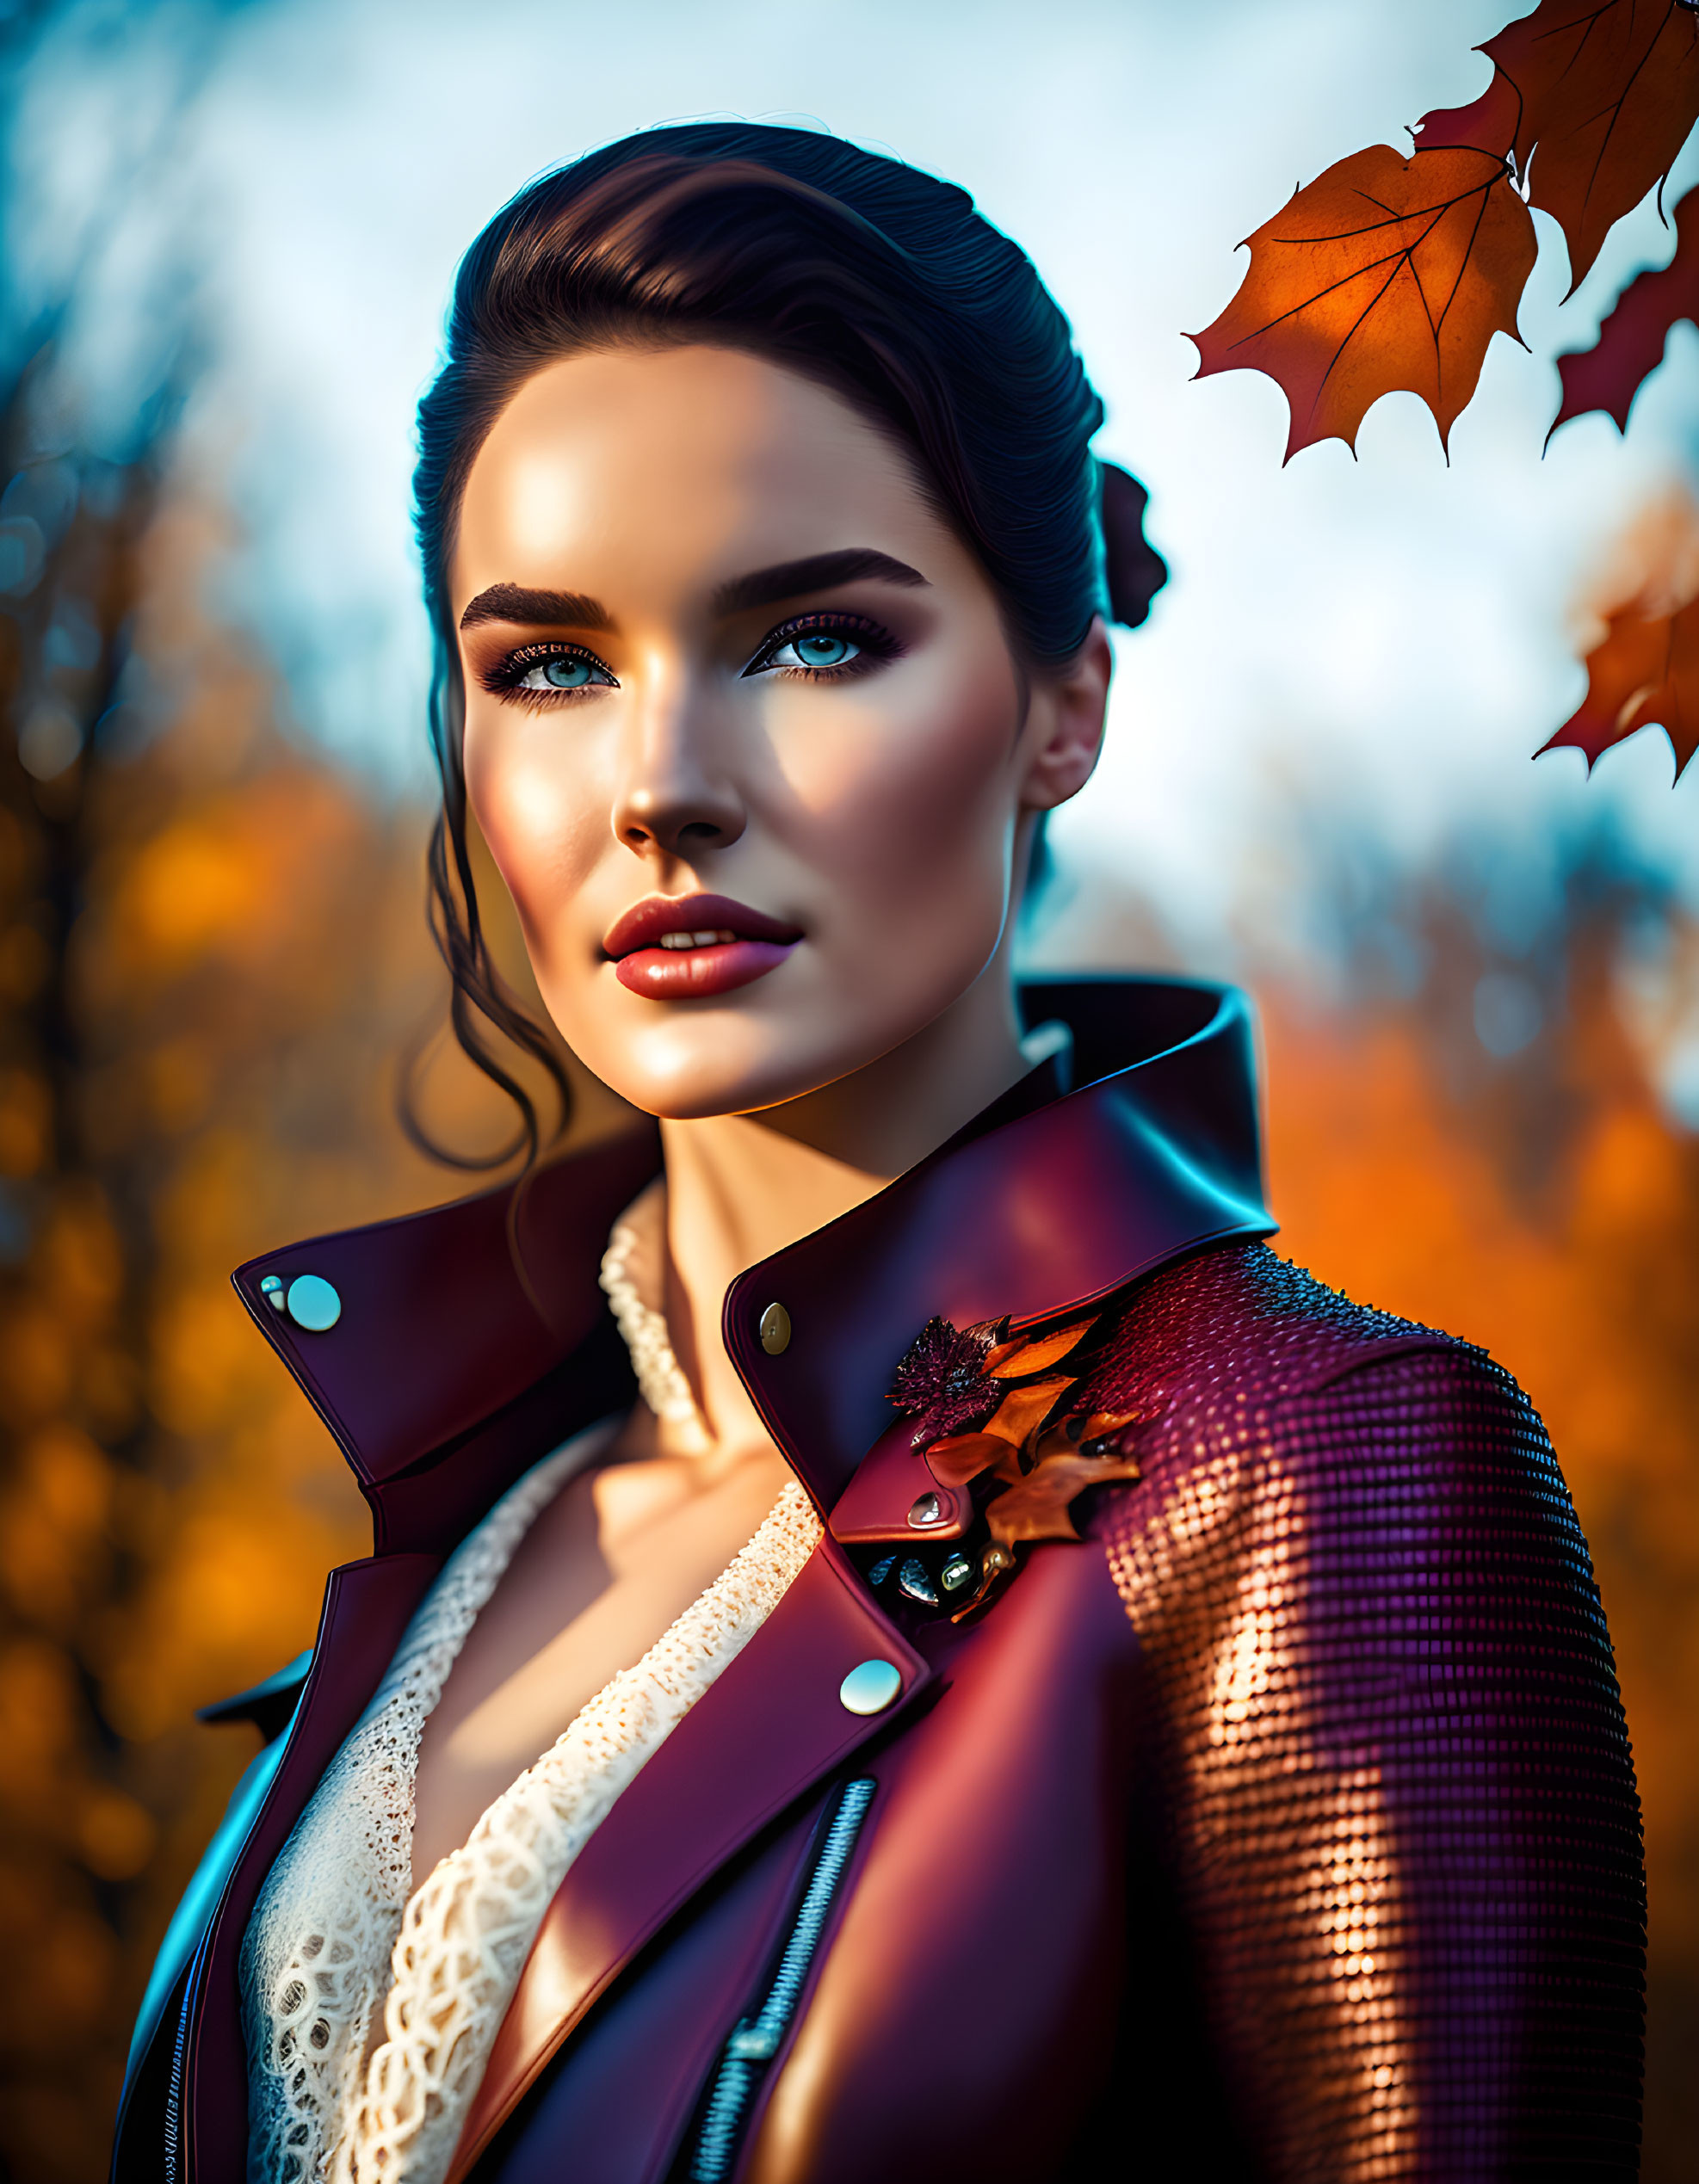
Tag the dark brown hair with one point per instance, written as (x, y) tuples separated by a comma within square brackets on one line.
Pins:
[(851, 269)]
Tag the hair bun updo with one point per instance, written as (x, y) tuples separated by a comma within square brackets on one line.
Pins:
[(1134, 570)]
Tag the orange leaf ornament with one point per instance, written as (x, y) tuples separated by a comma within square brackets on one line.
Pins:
[(963, 1458), (1592, 99), (1038, 1507), (1032, 1353), (1030, 1461), (1023, 1410), (1385, 272)]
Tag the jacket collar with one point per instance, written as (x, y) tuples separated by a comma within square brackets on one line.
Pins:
[(471, 1338)]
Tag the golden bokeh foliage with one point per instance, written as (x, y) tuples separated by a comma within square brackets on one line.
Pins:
[(212, 951)]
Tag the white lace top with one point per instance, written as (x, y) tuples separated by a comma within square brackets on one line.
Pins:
[(369, 2013)]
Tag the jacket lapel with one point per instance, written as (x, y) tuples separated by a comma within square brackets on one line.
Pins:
[(470, 1340), (467, 1340), (1056, 1207), (772, 1725), (367, 1607)]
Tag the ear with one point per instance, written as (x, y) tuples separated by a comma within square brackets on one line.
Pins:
[(1064, 732)]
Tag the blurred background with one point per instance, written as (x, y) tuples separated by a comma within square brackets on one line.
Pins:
[(228, 235)]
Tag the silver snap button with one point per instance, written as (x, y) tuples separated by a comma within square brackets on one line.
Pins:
[(774, 1329), (871, 1688), (929, 1510), (271, 1288), (313, 1304)]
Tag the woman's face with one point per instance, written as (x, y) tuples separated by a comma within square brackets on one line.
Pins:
[(743, 731)]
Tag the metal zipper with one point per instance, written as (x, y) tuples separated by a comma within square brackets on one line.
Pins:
[(174, 2085), (175, 2166), (756, 2040), (174, 2169)]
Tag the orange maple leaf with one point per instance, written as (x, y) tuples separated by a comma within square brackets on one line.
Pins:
[(1632, 339), (1385, 272), (1644, 675), (1643, 671), (1593, 99)]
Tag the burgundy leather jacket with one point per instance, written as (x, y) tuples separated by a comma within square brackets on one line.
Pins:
[(1283, 1826)]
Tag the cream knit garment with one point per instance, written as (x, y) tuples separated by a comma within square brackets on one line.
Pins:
[(370, 2015)]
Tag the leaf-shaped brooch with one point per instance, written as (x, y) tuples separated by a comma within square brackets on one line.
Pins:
[(1026, 1455)]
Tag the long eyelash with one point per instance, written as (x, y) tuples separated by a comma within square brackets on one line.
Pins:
[(504, 678), (878, 645)]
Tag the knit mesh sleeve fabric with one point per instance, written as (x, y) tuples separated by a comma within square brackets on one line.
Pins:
[(1398, 1793)]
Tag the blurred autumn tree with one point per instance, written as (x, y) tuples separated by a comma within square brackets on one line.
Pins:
[(211, 950), (192, 1062)]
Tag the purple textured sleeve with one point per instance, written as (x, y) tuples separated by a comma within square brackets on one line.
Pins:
[(1394, 1775)]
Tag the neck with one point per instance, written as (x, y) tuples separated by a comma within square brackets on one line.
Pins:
[(742, 1187)]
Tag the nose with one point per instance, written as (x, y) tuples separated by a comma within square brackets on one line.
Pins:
[(674, 796)]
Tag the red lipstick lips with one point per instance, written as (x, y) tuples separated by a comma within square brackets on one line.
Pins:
[(691, 947)]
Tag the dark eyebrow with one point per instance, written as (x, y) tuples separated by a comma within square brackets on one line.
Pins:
[(514, 603), (819, 572)]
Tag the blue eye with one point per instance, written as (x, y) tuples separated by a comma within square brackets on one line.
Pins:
[(562, 674), (814, 648), (821, 648)]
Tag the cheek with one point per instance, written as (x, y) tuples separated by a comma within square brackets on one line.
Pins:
[(910, 809), (541, 826)]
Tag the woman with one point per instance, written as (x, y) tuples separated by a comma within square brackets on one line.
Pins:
[(904, 1642)]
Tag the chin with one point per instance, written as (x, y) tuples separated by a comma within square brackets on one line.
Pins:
[(716, 1066), (725, 1065)]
